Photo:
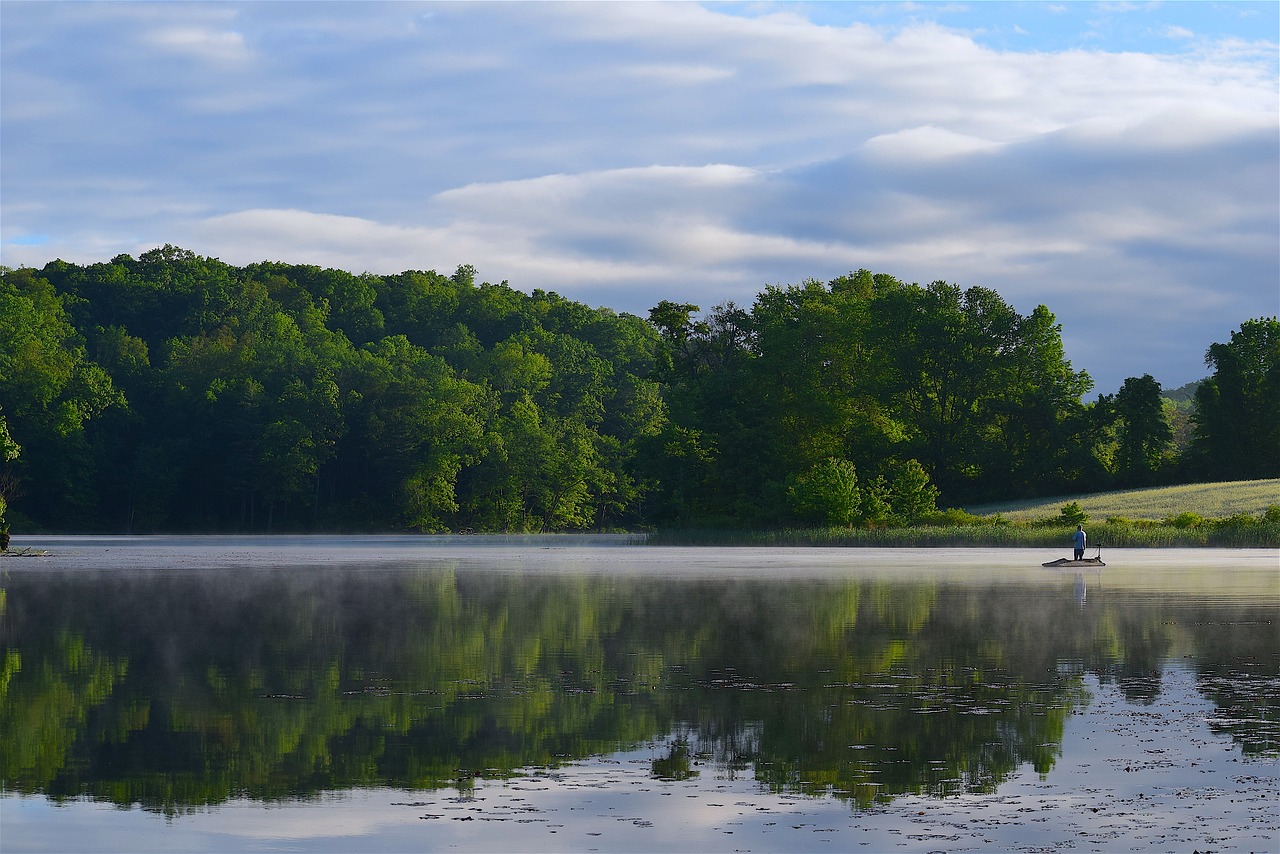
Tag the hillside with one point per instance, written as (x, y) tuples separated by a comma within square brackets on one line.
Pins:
[(1211, 500)]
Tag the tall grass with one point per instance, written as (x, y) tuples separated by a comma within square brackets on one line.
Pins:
[(1104, 535), (955, 528)]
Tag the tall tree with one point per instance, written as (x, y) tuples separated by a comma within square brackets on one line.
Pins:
[(1236, 424), (414, 425), (985, 393), (51, 392), (1144, 433)]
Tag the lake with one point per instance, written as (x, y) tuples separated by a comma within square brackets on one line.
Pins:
[(570, 693)]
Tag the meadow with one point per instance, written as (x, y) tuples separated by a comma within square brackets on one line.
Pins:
[(1209, 500), (1237, 514)]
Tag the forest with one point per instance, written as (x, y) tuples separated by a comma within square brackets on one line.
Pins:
[(177, 393)]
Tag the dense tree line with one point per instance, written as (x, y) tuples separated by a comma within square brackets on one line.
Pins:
[(857, 400), (176, 392)]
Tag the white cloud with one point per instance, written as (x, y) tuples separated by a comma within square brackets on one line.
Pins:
[(622, 153), (361, 245), (555, 197), (925, 143), (222, 46), (328, 240), (678, 74)]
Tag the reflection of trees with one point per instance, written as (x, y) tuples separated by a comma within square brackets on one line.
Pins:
[(1138, 671), (1239, 671), (918, 690), (677, 764), (1248, 706), (50, 692), (175, 690)]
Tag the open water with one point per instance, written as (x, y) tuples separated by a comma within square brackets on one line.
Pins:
[(588, 693)]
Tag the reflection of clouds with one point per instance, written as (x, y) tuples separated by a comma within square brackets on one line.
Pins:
[(337, 820), (339, 816)]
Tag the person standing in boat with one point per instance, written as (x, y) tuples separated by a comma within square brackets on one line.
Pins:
[(1078, 539)]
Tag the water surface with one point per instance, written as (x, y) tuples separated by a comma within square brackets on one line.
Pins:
[(562, 693)]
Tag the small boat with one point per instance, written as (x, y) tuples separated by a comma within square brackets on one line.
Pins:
[(1066, 561)]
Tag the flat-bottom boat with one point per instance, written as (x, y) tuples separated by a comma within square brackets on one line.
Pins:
[(1066, 561)]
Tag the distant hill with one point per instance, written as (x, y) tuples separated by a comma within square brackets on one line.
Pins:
[(1211, 500), (1183, 394)]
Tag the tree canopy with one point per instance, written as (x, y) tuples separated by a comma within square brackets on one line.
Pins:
[(1236, 423), (176, 392)]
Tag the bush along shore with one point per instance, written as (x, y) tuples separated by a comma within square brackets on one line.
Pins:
[(956, 528)]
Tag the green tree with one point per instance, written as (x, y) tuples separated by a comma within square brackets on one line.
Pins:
[(1144, 432), (541, 473), (911, 495), (673, 320), (51, 391), (816, 377), (258, 400), (827, 494), (414, 426), (9, 450), (1236, 424), (351, 301), (985, 393), (421, 305), (711, 393)]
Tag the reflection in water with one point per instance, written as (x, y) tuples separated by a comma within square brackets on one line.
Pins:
[(175, 690)]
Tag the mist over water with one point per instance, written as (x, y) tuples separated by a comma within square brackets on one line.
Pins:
[(526, 688)]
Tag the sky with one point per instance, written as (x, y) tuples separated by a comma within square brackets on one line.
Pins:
[(1118, 163)]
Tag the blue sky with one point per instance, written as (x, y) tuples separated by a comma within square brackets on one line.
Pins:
[(1116, 162), (1162, 28)]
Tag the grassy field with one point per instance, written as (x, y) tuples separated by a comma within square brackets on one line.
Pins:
[(1225, 515), (1104, 534), (1210, 500)]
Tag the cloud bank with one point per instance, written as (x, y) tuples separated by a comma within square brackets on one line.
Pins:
[(626, 153)]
